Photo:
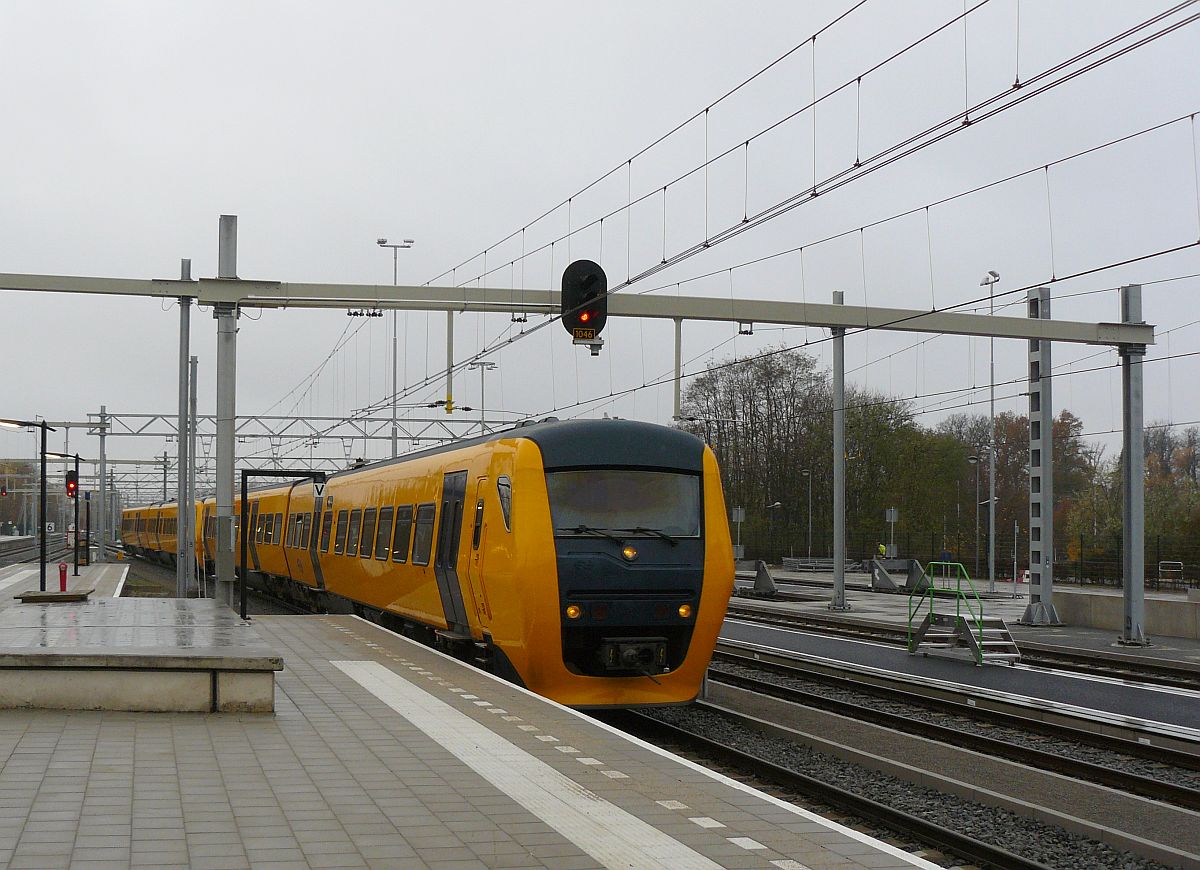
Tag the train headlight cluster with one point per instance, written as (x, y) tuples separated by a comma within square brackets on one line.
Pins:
[(574, 611)]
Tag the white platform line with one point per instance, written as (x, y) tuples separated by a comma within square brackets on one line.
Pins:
[(807, 815), (609, 834), (121, 582), (17, 577)]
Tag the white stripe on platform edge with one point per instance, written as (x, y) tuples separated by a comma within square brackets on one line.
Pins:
[(17, 577), (614, 837), (807, 815), (121, 582)]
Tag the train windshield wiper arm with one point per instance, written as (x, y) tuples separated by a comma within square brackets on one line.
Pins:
[(645, 530), (590, 530)]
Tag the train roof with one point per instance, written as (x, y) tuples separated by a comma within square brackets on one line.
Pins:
[(581, 443), (564, 444)]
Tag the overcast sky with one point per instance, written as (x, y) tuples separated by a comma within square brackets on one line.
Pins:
[(129, 127)]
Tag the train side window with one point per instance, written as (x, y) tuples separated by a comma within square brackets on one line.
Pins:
[(504, 490), (290, 536), (404, 517), (339, 545), (278, 528), (384, 534), (297, 531), (267, 518), (326, 526), (478, 525), (352, 534), (305, 530), (258, 523), (423, 536), (368, 534)]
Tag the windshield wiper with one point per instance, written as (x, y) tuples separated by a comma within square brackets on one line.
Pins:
[(645, 530), (589, 530)]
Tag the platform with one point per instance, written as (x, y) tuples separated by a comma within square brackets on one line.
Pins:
[(1173, 708), (1008, 602), (384, 753)]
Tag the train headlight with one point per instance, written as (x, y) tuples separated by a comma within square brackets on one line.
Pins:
[(574, 611), (629, 552), (685, 610)]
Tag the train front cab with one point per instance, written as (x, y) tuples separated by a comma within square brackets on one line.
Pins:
[(623, 568)]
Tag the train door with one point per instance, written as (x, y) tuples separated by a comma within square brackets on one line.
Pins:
[(445, 563), (252, 538), (205, 535), (477, 551)]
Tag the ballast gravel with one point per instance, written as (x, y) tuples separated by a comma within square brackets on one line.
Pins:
[(1046, 844)]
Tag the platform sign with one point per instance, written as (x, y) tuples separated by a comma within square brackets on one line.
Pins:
[(739, 515), (319, 490), (49, 527)]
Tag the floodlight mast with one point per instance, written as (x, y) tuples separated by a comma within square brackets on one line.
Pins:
[(990, 280), (406, 243)]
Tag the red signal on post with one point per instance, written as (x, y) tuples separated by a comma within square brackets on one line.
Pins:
[(584, 301), (72, 484)]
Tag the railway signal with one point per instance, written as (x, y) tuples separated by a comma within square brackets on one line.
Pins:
[(584, 303), (72, 483)]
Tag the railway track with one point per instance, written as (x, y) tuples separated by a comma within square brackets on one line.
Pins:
[(32, 553), (1113, 665), (906, 825), (1108, 772)]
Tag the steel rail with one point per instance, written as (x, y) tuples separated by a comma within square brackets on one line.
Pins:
[(905, 824), (1146, 751), (1120, 780)]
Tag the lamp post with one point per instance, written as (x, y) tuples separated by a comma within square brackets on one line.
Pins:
[(40, 424), (806, 473), (974, 460), (396, 246), (771, 508), (990, 280), (75, 498), (483, 366)]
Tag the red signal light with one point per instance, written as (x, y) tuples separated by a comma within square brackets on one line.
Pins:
[(72, 484), (585, 316)]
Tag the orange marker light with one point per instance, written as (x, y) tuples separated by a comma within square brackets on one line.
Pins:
[(574, 611), (685, 610), (630, 553)]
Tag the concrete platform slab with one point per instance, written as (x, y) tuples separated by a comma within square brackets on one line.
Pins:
[(385, 753), (161, 654)]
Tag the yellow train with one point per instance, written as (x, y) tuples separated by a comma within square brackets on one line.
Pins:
[(588, 561)]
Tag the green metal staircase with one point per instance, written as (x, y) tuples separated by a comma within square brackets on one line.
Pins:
[(986, 638)]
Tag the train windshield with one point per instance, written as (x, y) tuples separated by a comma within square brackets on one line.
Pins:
[(629, 502)]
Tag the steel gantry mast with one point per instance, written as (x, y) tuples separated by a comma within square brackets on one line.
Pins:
[(228, 294)]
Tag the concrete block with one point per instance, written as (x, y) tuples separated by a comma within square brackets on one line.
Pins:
[(245, 692), (97, 689)]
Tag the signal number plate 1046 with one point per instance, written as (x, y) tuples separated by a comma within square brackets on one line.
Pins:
[(583, 333)]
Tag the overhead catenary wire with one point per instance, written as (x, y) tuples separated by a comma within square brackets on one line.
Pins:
[(1109, 42), (795, 200)]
